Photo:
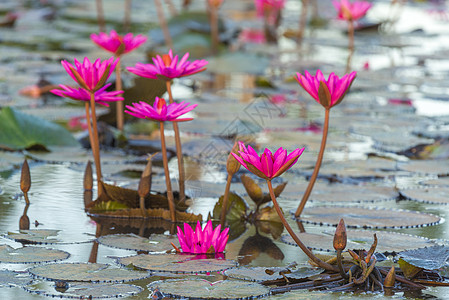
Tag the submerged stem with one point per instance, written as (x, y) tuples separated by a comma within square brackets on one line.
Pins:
[(95, 145), (171, 202), (182, 188), (316, 170), (303, 247)]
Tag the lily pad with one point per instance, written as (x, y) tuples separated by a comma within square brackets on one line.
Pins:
[(389, 242), (203, 289), (371, 168), (22, 131), (438, 195), (86, 272), (84, 290), (432, 167), (30, 255), (10, 278), (238, 62), (176, 263), (155, 243), (429, 258), (41, 236), (442, 181), (258, 274), (359, 217)]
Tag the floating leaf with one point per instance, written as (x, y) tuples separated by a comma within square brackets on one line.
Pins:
[(203, 289), (442, 181), (238, 62), (30, 255), (409, 270), (176, 263), (429, 258), (40, 236), (84, 290), (236, 208), (21, 131), (86, 272), (437, 195), (258, 274), (435, 167), (358, 217), (389, 242), (155, 243), (10, 278), (436, 150)]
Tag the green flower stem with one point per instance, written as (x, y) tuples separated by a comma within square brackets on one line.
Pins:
[(308, 191), (224, 205), (93, 136), (303, 247), (119, 104), (171, 201), (182, 193), (350, 45)]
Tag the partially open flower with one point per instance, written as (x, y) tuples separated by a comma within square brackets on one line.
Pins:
[(202, 241), (101, 96), (160, 111), (116, 43), (351, 11)]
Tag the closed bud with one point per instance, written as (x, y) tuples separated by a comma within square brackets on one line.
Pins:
[(145, 180), (233, 165), (88, 181), (390, 278), (25, 178), (340, 237)]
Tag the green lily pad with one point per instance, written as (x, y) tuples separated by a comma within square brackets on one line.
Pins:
[(41, 236), (21, 131), (84, 290), (155, 243), (203, 289), (437, 195), (429, 258), (10, 279), (176, 263), (86, 272), (30, 255), (236, 208)]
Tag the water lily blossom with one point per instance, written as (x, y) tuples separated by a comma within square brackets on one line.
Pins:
[(267, 165), (351, 11), (90, 76), (160, 111), (201, 241), (328, 92), (168, 67), (118, 44), (101, 96)]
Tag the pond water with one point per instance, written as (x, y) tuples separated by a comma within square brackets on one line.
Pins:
[(398, 101)]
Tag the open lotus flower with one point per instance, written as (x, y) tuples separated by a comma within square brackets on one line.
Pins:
[(267, 165), (116, 43), (200, 241), (168, 67), (351, 11), (90, 76), (101, 96), (328, 92), (160, 111)]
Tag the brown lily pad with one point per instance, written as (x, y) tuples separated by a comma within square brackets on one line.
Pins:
[(86, 272), (155, 243), (203, 289), (176, 263), (30, 255), (437, 195), (359, 217), (431, 167), (388, 242)]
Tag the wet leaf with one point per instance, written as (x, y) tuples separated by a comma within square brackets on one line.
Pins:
[(21, 131), (35, 236), (30, 255), (438, 195), (176, 263), (358, 217), (436, 167), (267, 213), (409, 270), (10, 279), (236, 208), (429, 258), (155, 243), (253, 190), (86, 272), (84, 290), (203, 289)]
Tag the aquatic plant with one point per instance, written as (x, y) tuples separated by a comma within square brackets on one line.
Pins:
[(92, 78), (201, 241), (162, 112), (118, 45), (168, 67), (328, 93)]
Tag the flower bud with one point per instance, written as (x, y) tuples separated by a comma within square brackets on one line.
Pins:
[(232, 165), (340, 237), (25, 178), (390, 278)]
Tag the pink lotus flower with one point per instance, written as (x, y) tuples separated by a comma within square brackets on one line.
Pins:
[(90, 76), (328, 92), (351, 11), (201, 241), (116, 43), (268, 165), (101, 96), (160, 111), (168, 67)]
